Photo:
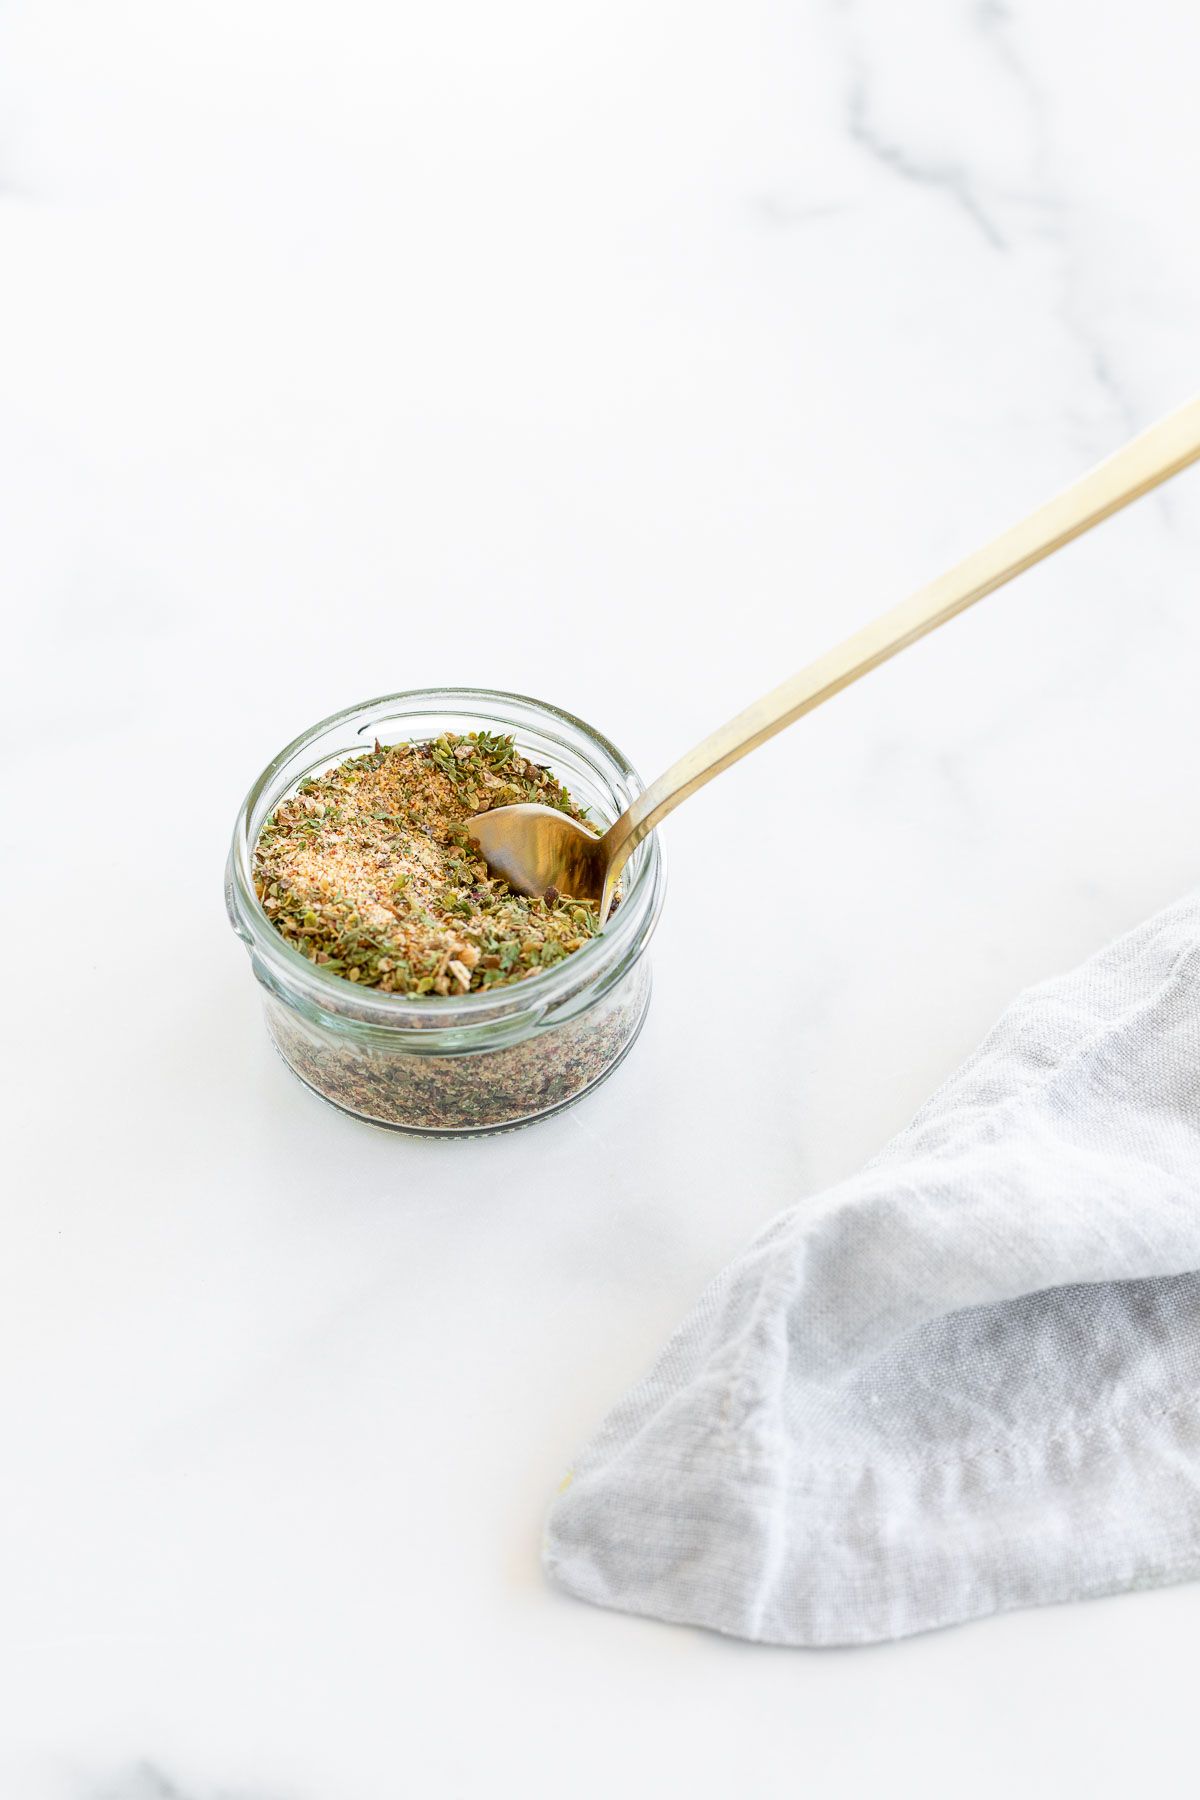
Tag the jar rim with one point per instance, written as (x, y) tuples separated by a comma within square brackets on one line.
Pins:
[(618, 945)]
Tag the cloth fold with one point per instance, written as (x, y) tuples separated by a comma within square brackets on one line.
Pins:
[(962, 1381)]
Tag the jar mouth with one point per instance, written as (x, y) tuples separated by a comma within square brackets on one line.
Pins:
[(294, 976)]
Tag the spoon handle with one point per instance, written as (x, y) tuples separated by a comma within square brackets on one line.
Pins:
[(1142, 464)]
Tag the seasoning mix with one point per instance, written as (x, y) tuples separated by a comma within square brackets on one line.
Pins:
[(400, 980), (369, 871)]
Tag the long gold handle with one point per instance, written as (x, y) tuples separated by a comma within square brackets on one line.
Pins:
[(1143, 463)]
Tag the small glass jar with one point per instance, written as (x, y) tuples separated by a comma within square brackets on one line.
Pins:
[(486, 1061)]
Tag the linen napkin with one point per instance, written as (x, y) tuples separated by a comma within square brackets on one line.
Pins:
[(964, 1380)]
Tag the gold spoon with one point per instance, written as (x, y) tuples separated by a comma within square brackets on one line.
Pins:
[(535, 848)]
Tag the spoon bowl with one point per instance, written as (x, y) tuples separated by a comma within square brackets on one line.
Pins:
[(535, 848)]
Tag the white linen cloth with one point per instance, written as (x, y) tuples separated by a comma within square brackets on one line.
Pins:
[(964, 1380)]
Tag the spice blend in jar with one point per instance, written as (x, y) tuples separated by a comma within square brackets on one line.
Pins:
[(333, 876), (485, 1091), (368, 870)]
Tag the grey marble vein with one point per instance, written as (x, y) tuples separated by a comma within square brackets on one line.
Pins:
[(995, 20), (143, 1781), (777, 209), (1034, 208), (945, 175), (148, 1781)]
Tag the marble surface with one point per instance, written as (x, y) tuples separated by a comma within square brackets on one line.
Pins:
[(625, 355)]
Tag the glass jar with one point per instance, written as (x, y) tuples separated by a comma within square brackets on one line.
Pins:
[(483, 1061)]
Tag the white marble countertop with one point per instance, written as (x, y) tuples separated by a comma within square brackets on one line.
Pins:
[(627, 356)]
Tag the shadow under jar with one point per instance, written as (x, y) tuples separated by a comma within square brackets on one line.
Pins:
[(483, 1061)]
